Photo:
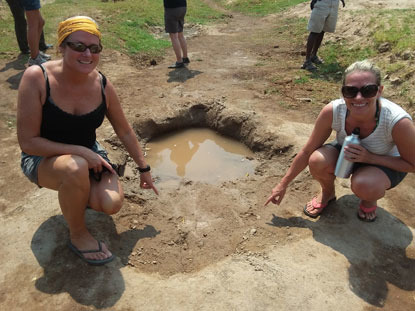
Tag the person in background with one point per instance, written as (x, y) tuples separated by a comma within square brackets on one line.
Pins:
[(20, 28), (174, 13), (386, 153), (323, 19), (60, 105), (35, 24)]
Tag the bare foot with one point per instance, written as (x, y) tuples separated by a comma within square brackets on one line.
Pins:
[(87, 242), (317, 204), (367, 211)]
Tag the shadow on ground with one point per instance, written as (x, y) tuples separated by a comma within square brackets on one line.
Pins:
[(182, 74), (18, 64), (376, 251), (100, 286)]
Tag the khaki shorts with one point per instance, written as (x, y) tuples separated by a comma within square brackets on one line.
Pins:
[(323, 16)]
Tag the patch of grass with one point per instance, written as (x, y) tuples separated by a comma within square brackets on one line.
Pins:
[(6, 28), (394, 67), (396, 27), (337, 56), (125, 25), (259, 7), (302, 80)]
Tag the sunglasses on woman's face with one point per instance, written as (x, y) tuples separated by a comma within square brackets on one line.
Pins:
[(80, 47), (367, 91)]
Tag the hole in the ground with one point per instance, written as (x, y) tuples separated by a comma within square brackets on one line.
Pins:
[(198, 154)]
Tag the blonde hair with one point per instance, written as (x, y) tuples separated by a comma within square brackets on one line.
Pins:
[(365, 66), (76, 23)]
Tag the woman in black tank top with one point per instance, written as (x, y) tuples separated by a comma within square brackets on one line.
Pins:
[(60, 106)]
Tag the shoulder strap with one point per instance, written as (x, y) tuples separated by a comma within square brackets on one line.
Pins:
[(103, 85), (45, 74)]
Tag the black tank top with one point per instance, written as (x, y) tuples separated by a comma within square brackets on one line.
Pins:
[(63, 127)]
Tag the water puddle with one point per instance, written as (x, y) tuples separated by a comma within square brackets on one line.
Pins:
[(198, 154)]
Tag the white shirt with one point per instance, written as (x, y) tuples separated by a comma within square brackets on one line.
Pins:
[(380, 141)]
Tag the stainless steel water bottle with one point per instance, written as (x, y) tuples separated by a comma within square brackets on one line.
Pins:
[(344, 167)]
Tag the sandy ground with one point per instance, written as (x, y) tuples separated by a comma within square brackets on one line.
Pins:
[(210, 247)]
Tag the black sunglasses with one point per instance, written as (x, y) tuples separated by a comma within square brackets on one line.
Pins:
[(367, 91), (80, 47)]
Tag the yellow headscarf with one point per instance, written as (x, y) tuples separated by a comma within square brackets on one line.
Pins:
[(76, 23)]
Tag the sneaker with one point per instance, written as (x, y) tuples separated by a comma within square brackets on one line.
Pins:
[(177, 65), (308, 65), (316, 60), (37, 61), (186, 60), (45, 47), (45, 56)]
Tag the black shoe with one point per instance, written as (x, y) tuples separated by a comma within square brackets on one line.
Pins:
[(45, 47), (177, 65), (186, 60)]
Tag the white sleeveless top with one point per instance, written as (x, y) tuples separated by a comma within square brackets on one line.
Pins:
[(380, 141)]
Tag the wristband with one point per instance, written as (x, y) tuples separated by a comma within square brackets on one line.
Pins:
[(144, 169)]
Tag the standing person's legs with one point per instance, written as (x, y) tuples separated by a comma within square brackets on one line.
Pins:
[(317, 44), (174, 37), (183, 45), (20, 25), (174, 22), (35, 24), (322, 163)]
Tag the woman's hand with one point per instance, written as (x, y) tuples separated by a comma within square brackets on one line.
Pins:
[(96, 162), (277, 194), (356, 153), (146, 182)]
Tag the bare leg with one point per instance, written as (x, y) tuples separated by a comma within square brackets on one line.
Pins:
[(322, 164), (183, 43), (69, 175), (369, 184), (317, 43), (176, 46), (35, 24)]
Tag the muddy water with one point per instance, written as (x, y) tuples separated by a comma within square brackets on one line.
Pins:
[(198, 154)]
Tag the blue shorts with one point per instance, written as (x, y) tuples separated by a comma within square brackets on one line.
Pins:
[(30, 163), (395, 177), (30, 5)]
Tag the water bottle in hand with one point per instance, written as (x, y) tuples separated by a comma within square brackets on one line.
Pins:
[(344, 167)]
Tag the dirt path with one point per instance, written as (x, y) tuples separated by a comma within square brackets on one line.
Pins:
[(205, 247)]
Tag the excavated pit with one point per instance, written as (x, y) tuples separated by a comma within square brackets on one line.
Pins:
[(194, 223)]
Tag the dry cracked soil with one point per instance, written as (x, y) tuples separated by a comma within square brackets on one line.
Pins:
[(200, 246)]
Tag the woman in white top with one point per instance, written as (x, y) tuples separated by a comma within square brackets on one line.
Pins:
[(386, 153)]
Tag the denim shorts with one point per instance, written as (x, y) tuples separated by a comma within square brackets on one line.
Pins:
[(174, 19), (395, 177), (30, 5), (30, 163)]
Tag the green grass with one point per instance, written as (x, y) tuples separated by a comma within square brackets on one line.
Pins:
[(259, 7), (126, 25), (396, 27)]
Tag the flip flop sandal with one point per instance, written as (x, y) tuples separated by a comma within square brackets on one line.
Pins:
[(317, 206), (366, 210), (93, 262)]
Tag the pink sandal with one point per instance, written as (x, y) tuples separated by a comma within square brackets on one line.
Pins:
[(318, 206), (366, 210)]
